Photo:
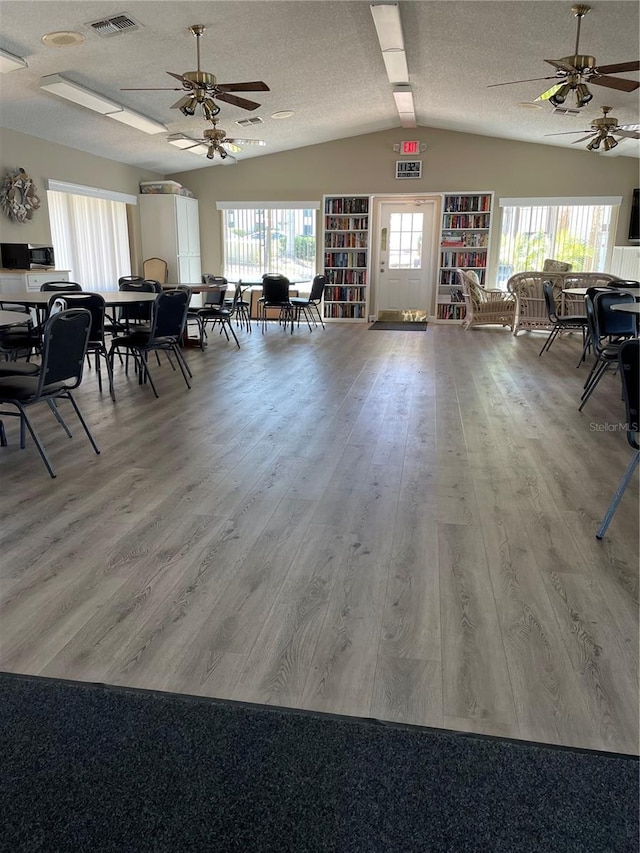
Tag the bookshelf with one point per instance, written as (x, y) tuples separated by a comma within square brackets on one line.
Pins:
[(464, 242), (346, 257)]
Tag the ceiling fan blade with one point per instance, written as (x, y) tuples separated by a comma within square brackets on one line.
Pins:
[(546, 95), (237, 102), (181, 103), (569, 132), (182, 79), (629, 126), (583, 139), (151, 89), (627, 134), (231, 146), (619, 67), (236, 141), (615, 83), (511, 82), (255, 86), (561, 65)]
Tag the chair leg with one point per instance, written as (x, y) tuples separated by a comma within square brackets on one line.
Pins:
[(24, 421), (319, 314), (56, 413), (615, 500), (233, 333), (69, 397), (594, 382), (551, 338)]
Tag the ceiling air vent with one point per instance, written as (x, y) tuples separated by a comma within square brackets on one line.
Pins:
[(566, 111), (114, 26), (245, 122)]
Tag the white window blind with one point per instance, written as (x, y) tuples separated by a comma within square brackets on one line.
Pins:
[(259, 238), (577, 231)]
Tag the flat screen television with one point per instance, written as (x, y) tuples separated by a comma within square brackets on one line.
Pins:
[(634, 222)]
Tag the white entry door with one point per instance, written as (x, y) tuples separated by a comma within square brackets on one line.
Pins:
[(404, 273)]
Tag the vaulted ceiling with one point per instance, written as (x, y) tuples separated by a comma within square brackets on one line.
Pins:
[(321, 60)]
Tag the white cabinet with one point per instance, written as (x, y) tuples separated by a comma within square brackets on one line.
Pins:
[(170, 229), (15, 280)]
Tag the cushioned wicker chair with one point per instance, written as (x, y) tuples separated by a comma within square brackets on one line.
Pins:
[(482, 307)]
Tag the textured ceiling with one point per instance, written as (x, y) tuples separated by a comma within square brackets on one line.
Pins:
[(320, 59)]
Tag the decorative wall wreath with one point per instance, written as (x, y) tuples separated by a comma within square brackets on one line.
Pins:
[(18, 196)]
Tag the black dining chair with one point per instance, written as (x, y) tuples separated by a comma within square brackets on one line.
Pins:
[(64, 348), (275, 294), (566, 323), (61, 286), (164, 334), (310, 307), (94, 303), (607, 330), (629, 363)]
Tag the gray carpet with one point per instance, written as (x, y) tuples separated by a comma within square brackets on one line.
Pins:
[(386, 326), (86, 767)]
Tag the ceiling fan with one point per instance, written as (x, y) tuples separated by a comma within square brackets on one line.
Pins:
[(575, 71), (602, 130), (202, 88), (215, 140)]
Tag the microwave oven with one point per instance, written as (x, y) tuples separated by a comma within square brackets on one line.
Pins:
[(26, 256)]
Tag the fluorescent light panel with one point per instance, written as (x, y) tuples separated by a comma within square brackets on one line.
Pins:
[(386, 19), (140, 122), (10, 62), (404, 104), (57, 85)]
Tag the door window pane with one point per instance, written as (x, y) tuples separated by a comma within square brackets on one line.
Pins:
[(405, 240)]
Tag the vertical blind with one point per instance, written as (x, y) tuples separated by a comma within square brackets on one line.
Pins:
[(574, 231), (280, 240)]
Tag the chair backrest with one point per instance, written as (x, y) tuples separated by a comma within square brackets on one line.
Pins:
[(215, 298), (155, 268), (275, 288), (63, 286), (550, 300), (129, 278), (609, 322), (209, 278), (629, 361), (138, 312), (64, 346), (170, 314), (95, 305), (317, 288), (153, 283)]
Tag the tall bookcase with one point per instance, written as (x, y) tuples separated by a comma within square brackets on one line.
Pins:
[(346, 257), (464, 242)]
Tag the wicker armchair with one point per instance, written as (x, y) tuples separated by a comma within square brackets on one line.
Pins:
[(482, 307), (528, 290)]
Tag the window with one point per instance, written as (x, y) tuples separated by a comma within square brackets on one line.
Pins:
[(405, 241), (277, 239), (576, 231), (90, 234)]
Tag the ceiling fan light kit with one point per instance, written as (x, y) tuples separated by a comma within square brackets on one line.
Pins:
[(574, 72)]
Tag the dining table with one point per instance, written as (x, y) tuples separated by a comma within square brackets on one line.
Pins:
[(40, 299), (12, 318)]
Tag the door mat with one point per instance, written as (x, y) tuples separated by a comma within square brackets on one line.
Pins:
[(98, 768), (385, 326)]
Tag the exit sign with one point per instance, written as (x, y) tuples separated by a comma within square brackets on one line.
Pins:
[(412, 147)]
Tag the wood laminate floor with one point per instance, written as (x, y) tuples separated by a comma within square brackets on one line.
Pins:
[(396, 525)]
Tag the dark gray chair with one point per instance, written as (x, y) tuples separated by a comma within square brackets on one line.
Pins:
[(568, 323), (310, 307), (64, 347), (629, 363), (94, 303), (275, 294), (165, 334), (62, 286)]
